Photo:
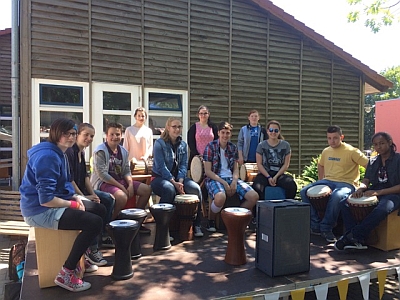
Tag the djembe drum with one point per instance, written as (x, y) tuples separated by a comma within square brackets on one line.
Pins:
[(141, 167), (236, 220), (186, 209), (122, 233), (138, 215), (319, 197), (162, 213), (361, 207), (197, 169), (248, 172)]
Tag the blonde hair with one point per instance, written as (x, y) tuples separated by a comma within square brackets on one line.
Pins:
[(165, 134)]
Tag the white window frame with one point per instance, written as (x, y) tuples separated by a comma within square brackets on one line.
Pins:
[(37, 107), (97, 105), (165, 113)]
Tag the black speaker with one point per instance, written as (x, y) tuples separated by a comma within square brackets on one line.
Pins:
[(283, 237)]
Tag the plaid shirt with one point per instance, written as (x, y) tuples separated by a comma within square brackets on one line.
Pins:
[(212, 154)]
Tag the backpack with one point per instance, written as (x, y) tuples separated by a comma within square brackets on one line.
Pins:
[(16, 261)]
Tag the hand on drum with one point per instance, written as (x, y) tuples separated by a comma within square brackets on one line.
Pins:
[(368, 193), (179, 186)]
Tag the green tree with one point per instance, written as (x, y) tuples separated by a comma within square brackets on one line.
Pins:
[(378, 13), (392, 74)]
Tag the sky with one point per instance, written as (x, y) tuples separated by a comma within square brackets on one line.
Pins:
[(329, 18)]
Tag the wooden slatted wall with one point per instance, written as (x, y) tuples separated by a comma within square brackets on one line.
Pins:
[(116, 41), (231, 55), (166, 44), (60, 40), (209, 53), (5, 69)]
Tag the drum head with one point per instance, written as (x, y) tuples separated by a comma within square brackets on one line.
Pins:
[(133, 212), (237, 210), (164, 206), (243, 172), (186, 198), (123, 223), (197, 169), (363, 201), (318, 191)]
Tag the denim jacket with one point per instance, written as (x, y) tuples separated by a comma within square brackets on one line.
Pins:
[(163, 159)]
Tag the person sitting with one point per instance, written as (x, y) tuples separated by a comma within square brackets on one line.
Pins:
[(112, 174), (249, 137), (273, 160), (382, 179), (48, 200), (81, 183), (170, 168), (222, 174), (338, 168)]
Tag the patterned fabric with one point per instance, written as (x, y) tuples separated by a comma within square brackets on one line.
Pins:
[(203, 137), (212, 154)]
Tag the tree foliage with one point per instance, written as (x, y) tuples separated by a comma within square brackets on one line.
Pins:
[(392, 74), (377, 13)]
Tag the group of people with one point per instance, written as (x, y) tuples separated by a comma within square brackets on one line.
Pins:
[(57, 192)]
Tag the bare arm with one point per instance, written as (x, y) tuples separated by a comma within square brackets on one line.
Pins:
[(321, 172)]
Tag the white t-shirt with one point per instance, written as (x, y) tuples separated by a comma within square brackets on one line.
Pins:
[(138, 141), (225, 171)]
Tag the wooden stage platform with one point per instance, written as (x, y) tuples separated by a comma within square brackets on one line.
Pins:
[(196, 270)]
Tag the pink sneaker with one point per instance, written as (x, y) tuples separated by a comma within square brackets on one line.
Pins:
[(68, 280)]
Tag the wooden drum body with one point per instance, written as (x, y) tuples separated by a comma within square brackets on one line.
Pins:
[(362, 207), (248, 172), (236, 220), (319, 197), (186, 209), (197, 169)]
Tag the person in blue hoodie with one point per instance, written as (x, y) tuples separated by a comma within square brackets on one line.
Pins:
[(48, 199)]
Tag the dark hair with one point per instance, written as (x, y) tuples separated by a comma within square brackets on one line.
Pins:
[(58, 127), (253, 111), (114, 125), (280, 136), (387, 137), (82, 126), (140, 109), (224, 125), (334, 129), (209, 123)]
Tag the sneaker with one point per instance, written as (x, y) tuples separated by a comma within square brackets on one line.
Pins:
[(211, 226), (90, 268), (345, 243), (197, 231), (329, 236), (107, 242), (144, 230), (315, 231), (171, 239), (68, 280), (95, 258)]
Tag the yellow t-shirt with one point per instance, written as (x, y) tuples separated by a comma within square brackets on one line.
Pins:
[(342, 163)]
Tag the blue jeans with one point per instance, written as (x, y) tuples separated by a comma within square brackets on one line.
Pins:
[(361, 231), (340, 192), (166, 190), (108, 201)]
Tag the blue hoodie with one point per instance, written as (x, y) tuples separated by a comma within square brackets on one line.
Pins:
[(46, 176)]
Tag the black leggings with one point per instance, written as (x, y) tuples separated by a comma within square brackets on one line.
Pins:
[(90, 222), (284, 181)]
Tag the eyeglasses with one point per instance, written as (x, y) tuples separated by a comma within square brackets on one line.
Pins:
[(203, 113), (276, 130), (177, 127), (69, 134)]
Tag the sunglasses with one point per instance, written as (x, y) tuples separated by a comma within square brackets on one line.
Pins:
[(276, 130)]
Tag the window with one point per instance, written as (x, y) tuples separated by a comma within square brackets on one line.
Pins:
[(53, 99), (163, 104), (113, 103)]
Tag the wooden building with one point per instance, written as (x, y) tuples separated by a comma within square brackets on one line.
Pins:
[(97, 60)]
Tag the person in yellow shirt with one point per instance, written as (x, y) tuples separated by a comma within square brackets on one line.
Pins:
[(338, 168)]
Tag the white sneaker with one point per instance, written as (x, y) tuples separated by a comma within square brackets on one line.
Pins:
[(197, 231), (89, 268)]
